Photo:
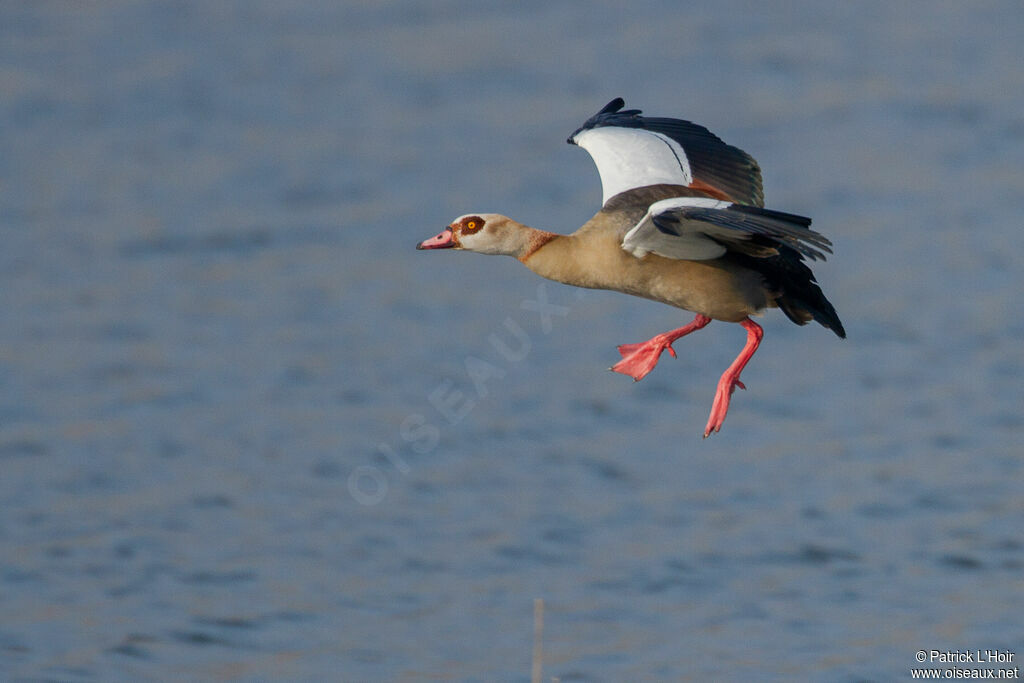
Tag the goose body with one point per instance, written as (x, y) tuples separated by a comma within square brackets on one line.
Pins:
[(682, 223)]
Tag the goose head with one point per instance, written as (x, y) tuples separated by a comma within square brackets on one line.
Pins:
[(484, 233)]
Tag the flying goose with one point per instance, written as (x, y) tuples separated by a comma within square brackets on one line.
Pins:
[(682, 222)]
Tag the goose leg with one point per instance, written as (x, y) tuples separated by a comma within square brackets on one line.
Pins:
[(640, 359), (731, 377)]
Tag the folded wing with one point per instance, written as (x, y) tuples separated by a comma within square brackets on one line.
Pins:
[(698, 229)]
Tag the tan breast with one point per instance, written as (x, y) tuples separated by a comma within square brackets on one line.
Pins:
[(592, 257)]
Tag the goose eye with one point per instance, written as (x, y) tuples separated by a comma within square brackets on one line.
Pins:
[(471, 225)]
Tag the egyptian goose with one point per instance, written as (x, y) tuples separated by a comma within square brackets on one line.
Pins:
[(681, 222)]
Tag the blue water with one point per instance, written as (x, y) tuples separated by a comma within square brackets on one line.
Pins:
[(248, 432)]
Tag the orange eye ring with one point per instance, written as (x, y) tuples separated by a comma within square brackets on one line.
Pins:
[(471, 225)]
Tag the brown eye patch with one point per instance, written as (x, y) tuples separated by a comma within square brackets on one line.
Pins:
[(471, 224)]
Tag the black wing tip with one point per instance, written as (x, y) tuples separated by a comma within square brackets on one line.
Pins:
[(802, 299), (613, 106), (801, 312), (829, 319), (612, 109), (796, 219)]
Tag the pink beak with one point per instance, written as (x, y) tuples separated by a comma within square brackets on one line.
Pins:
[(444, 240)]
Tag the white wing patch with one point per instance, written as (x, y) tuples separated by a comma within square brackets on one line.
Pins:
[(645, 237), (631, 157)]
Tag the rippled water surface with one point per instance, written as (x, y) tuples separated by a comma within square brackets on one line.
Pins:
[(247, 432)]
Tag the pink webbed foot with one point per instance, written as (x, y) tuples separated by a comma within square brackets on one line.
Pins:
[(639, 359), (720, 407), (731, 378)]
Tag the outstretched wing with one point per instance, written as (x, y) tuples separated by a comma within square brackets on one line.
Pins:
[(699, 228), (635, 151)]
